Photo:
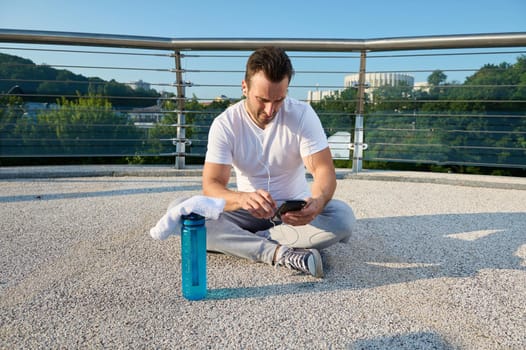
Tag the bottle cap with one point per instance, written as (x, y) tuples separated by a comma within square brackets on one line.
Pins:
[(193, 216), (194, 219)]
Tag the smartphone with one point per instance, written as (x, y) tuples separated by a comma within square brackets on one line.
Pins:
[(291, 205)]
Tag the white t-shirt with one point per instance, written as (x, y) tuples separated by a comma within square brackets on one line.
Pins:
[(269, 159)]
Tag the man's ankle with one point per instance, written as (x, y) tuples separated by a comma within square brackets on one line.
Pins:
[(277, 254)]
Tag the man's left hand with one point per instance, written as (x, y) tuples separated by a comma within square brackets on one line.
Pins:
[(305, 215)]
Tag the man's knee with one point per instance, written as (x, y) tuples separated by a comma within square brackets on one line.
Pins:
[(344, 219)]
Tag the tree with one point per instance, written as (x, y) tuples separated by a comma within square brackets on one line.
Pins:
[(85, 126), (198, 117), (437, 78), (43, 83), (338, 110), (10, 112)]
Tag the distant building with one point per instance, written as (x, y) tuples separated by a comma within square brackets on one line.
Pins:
[(318, 95), (146, 116), (220, 98), (374, 80), (136, 85), (422, 86)]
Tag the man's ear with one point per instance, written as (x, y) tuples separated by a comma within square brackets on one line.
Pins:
[(244, 87)]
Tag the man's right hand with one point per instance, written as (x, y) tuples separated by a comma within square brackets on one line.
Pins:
[(215, 184), (259, 204)]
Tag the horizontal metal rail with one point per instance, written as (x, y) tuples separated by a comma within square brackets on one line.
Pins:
[(230, 44), (395, 135)]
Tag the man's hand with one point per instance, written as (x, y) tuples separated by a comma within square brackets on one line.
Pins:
[(260, 204), (304, 216)]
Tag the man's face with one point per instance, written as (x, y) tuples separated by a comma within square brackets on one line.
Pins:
[(264, 98)]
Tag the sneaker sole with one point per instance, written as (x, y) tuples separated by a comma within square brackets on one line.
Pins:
[(317, 269)]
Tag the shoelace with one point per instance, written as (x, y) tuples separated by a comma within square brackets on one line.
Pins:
[(296, 260)]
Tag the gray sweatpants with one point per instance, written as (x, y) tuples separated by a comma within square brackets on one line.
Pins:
[(239, 234)]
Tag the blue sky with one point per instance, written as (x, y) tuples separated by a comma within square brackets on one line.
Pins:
[(349, 19), (284, 18)]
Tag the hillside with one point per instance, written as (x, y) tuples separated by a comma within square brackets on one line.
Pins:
[(45, 84)]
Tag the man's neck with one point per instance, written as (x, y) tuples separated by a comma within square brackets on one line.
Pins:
[(254, 120)]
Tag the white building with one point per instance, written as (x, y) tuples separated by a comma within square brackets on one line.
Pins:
[(146, 116), (422, 86), (318, 95), (374, 80)]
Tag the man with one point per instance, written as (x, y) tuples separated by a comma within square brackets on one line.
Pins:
[(269, 139)]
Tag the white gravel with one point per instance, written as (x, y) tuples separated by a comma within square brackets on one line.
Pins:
[(430, 266)]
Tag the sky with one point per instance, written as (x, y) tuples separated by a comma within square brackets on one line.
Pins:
[(344, 19)]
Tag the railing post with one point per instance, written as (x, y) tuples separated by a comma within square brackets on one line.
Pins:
[(358, 125), (181, 119)]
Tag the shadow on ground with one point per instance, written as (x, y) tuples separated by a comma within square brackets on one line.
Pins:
[(393, 250), (418, 340)]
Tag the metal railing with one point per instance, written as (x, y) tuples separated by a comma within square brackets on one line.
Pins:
[(448, 123)]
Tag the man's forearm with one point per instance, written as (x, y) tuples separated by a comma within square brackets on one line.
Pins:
[(215, 184), (324, 186), (322, 169), (218, 190)]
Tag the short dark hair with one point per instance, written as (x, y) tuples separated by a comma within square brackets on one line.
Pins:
[(273, 61)]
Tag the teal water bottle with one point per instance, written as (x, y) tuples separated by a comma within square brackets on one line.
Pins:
[(193, 255)]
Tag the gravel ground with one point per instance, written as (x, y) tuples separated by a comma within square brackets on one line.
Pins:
[(429, 266)]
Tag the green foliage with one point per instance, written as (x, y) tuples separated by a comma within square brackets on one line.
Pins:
[(10, 112), (450, 126), (198, 118), (337, 111), (135, 160), (42, 83), (87, 125), (478, 122), (437, 78)]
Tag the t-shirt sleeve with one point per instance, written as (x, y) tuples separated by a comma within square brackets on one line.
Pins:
[(219, 149), (313, 138)]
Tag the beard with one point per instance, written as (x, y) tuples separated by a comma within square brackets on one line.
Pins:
[(259, 116)]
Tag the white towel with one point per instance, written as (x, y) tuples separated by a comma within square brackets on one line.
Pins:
[(170, 223)]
